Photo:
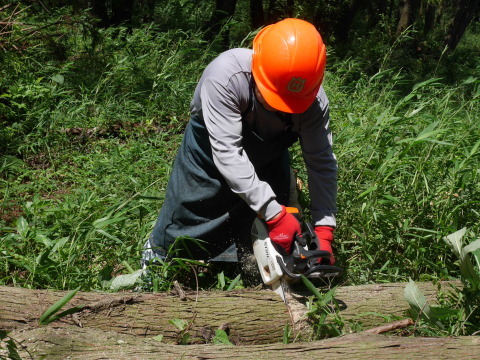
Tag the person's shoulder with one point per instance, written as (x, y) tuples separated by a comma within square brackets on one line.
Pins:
[(237, 59), (238, 53), (233, 65)]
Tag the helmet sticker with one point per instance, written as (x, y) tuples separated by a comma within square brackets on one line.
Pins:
[(296, 84)]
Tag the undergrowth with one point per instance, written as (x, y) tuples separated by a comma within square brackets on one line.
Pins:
[(90, 129)]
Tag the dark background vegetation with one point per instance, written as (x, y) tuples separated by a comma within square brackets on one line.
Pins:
[(94, 97)]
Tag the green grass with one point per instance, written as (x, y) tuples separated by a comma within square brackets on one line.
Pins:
[(89, 210), (88, 141), (408, 173)]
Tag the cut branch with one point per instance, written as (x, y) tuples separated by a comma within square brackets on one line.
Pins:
[(397, 325)]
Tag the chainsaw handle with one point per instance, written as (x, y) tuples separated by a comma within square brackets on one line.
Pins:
[(309, 254), (299, 252)]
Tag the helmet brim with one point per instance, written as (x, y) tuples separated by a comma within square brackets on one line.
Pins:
[(292, 104)]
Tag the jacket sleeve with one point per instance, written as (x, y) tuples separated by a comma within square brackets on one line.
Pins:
[(316, 142), (221, 110)]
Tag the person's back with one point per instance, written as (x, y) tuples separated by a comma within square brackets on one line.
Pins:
[(233, 164)]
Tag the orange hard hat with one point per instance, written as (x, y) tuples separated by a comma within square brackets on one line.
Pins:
[(288, 64)]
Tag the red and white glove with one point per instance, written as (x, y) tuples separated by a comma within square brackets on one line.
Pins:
[(325, 239), (283, 228)]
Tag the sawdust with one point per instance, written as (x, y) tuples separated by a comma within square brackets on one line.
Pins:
[(296, 301), (298, 311), (249, 267)]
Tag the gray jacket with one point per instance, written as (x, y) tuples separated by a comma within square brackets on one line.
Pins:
[(225, 100)]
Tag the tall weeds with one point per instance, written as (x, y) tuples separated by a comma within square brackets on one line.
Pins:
[(87, 142), (408, 172)]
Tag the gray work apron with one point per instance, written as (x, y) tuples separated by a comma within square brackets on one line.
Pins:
[(199, 203)]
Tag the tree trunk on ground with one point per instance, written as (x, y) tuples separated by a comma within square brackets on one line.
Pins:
[(92, 344), (464, 13), (253, 316)]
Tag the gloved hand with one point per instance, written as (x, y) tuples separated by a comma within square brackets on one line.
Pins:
[(283, 228), (325, 239)]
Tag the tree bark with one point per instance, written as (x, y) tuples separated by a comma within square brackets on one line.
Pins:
[(464, 13), (99, 9), (253, 316), (224, 10), (429, 16), (345, 23), (407, 11), (92, 344), (257, 14), (122, 11), (278, 10)]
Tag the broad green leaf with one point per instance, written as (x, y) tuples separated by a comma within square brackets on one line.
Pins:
[(42, 239), (392, 198), (473, 246), (105, 276), (414, 111), (221, 338), (22, 226), (58, 78), (158, 338), (286, 333), (185, 339), (312, 288), (455, 241), (125, 281), (179, 323), (419, 304), (466, 267), (234, 283), (470, 80), (476, 255), (44, 319), (221, 280), (442, 313), (59, 243), (42, 258)]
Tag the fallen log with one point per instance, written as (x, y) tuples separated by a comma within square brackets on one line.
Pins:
[(72, 343), (252, 316)]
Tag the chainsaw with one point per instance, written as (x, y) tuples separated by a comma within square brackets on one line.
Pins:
[(278, 269)]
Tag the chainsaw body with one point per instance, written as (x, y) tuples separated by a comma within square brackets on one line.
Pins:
[(306, 259), (265, 253)]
